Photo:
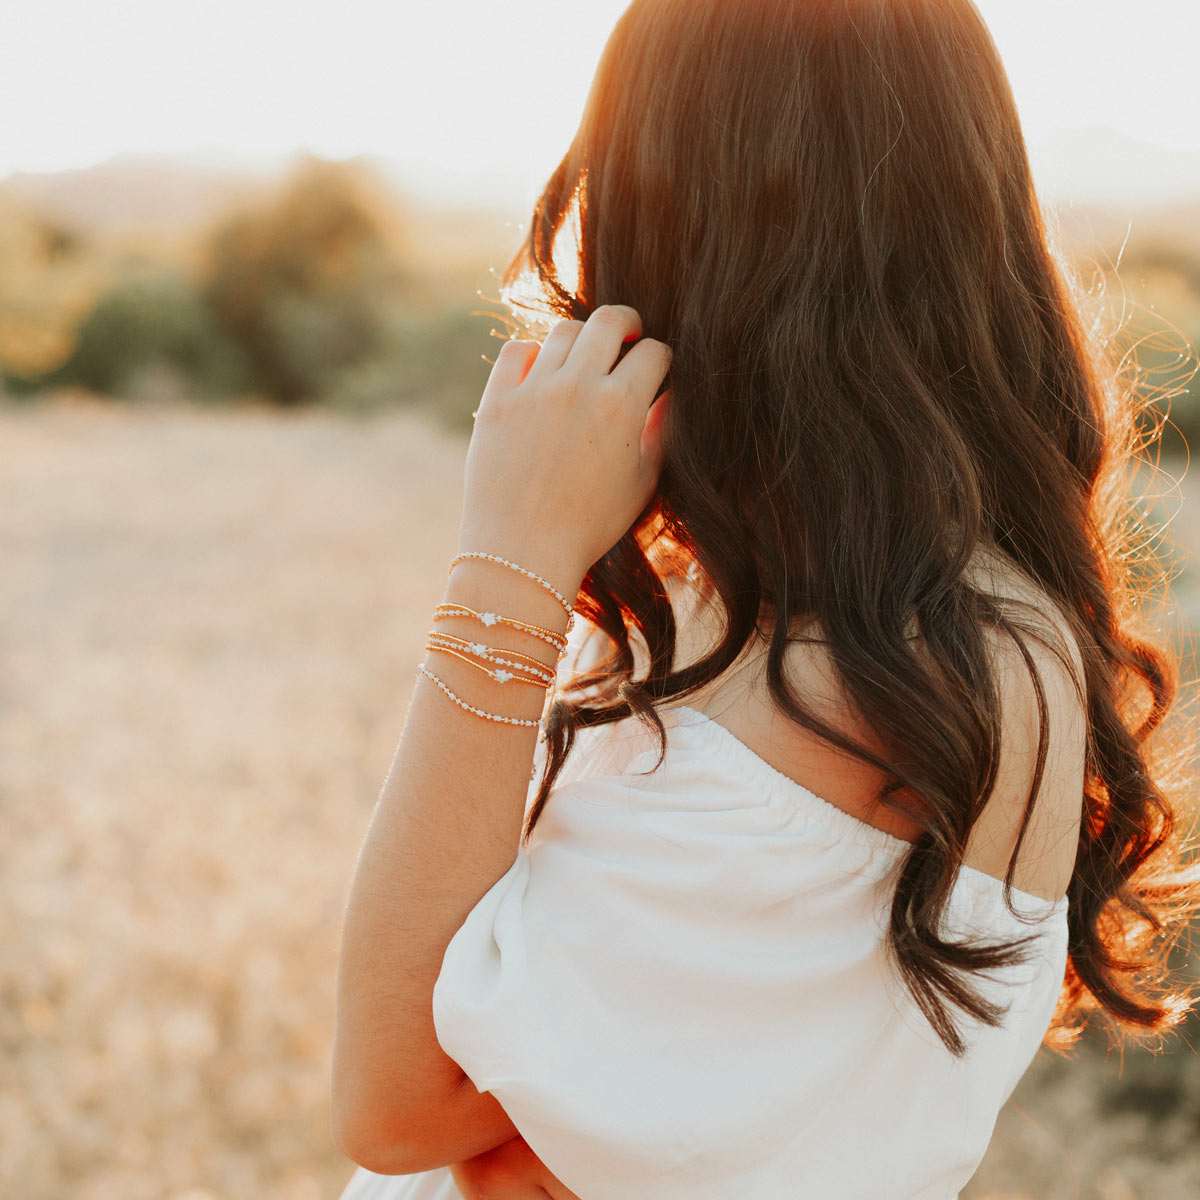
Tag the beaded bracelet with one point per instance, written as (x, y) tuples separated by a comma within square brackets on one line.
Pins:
[(545, 675), (499, 674), (488, 653), (558, 641), (423, 670), (495, 558)]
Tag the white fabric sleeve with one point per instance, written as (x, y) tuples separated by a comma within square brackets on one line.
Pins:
[(680, 989)]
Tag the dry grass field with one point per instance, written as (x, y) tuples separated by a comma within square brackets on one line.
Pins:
[(209, 625)]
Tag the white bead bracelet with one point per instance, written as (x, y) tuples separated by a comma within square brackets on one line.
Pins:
[(471, 708), (567, 608)]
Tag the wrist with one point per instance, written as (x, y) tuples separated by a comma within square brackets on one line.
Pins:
[(492, 588)]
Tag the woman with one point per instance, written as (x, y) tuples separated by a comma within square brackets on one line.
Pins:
[(857, 802)]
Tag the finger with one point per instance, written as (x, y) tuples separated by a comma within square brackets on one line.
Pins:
[(599, 342), (557, 346), (644, 368), (513, 362)]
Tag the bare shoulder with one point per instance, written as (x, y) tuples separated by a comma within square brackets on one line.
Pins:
[(741, 702), (1042, 646)]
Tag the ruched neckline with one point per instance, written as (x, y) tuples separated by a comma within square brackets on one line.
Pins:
[(845, 826)]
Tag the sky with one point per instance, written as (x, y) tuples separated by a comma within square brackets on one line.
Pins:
[(476, 97)]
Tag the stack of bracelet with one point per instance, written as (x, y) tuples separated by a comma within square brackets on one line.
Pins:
[(510, 665)]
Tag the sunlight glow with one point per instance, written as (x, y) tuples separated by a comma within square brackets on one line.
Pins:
[(472, 93)]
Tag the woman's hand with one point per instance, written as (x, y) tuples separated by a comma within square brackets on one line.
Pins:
[(509, 1172), (567, 448)]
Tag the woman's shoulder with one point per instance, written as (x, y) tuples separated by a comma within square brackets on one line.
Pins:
[(1043, 641), (1039, 675), (1041, 655)]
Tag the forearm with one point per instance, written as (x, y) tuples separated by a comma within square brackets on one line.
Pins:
[(446, 827), (564, 459)]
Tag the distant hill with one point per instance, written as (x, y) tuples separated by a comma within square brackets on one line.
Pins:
[(1100, 231), (135, 196), (1101, 167), (129, 194)]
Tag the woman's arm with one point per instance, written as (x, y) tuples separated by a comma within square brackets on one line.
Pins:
[(563, 459), (446, 827), (509, 1172)]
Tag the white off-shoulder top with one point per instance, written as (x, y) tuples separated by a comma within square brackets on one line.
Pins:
[(680, 991)]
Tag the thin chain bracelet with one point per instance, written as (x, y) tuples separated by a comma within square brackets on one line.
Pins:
[(557, 640), (480, 648), (532, 665), (567, 608), (479, 712), (499, 675)]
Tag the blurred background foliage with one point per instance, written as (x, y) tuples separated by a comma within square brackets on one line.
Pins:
[(329, 288), (320, 290)]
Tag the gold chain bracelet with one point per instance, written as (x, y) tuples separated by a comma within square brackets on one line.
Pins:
[(544, 675), (557, 640), (490, 654), (499, 674)]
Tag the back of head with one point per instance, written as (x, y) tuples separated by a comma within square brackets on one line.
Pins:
[(825, 208)]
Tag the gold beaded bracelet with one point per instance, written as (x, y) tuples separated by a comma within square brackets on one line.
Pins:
[(499, 674), (523, 662), (544, 673), (558, 641)]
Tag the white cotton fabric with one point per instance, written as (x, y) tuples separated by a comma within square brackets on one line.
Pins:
[(680, 991)]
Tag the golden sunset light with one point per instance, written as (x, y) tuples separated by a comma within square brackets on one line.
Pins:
[(472, 93)]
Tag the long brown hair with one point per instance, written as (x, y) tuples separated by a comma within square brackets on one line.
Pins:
[(825, 208)]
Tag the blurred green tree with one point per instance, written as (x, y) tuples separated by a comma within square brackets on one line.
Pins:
[(439, 362), (308, 282), (152, 320), (50, 278)]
